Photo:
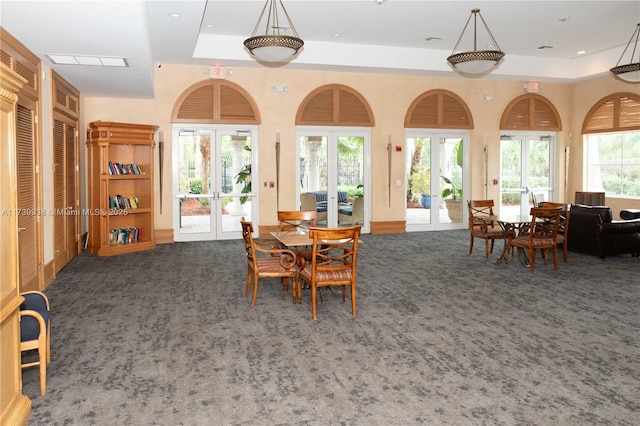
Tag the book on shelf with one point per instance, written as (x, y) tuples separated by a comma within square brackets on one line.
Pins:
[(124, 169), (119, 202), (122, 236)]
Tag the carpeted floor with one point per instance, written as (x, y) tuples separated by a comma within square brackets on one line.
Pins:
[(442, 338)]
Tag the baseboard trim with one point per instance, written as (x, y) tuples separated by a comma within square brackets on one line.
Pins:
[(392, 227), (163, 236)]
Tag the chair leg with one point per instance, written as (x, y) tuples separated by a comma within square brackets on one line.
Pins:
[(353, 300), (486, 248), (255, 289), (493, 241), (554, 252), (532, 258), (564, 252), (42, 360), (246, 290), (471, 245), (314, 312)]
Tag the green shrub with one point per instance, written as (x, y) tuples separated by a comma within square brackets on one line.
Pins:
[(195, 185)]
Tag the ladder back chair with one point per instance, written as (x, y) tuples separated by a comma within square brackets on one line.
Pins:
[(543, 236), (333, 263), (482, 224), (563, 226), (265, 259)]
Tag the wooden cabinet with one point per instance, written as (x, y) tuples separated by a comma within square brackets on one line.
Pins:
[(120, 187), (15, 407)]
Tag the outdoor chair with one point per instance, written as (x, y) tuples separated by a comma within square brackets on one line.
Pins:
[(308, 202), (352, 213)]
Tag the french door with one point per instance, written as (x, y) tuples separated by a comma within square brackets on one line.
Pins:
[(527, 162), (334, 167), (212, 187), (435, 180)]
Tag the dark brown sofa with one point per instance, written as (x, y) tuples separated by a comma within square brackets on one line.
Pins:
[(592, 230)]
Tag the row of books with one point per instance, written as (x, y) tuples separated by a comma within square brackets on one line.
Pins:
[(119, 202), (124, 169), (120, 236)]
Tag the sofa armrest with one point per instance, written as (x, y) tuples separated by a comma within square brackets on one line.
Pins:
[(620, 227)]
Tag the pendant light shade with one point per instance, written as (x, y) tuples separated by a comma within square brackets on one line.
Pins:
[(272, 46), (629, 72), (475, 62)]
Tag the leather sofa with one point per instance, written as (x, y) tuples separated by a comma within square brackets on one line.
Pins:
[(592, 230)]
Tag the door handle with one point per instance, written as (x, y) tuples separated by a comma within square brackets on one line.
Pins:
[(21, 229)]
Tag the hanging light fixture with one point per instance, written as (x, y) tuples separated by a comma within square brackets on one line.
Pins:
[(629, 72), (272, 46), (475, 62)]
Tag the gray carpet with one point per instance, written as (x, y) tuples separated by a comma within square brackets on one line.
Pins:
[(441, 338)]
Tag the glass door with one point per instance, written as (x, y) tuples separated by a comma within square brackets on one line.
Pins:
[(435, 178), (333, 176), (212, 182), (526, 164)]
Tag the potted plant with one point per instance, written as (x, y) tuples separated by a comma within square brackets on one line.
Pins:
[(452, 192), (244, 177), (420, 182)]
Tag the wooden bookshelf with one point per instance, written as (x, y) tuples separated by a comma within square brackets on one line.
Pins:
[(120, 187)]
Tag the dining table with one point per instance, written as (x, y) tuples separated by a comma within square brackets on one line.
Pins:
[(297, 239), (513, 225)]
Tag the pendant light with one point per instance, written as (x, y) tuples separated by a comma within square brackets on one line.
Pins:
[(629, 72), (272, 46), (475, 62)]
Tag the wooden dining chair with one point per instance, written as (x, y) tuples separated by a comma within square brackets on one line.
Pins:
[(483, 225), (542, 235), (332, 263), (563, 226), (266, 260)]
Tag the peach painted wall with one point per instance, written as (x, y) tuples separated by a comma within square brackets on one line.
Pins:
[(389, 97)]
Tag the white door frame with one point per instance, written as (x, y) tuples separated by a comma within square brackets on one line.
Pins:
[(332, 134), (216, 230), (435, 135)]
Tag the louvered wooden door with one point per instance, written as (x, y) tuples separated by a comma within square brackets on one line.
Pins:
[(31, 215), (65, 202)]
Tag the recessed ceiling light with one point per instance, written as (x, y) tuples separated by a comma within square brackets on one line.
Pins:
[(563, 18), (336, 34), (174, 15), (433, 38), (581, 52), (544, 46), (105, 61)]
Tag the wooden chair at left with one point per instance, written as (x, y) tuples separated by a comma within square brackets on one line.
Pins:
[(483, 225), (265, 259), (333, 263), (35, 332), (543, 236)]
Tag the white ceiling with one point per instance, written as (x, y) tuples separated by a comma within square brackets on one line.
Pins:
[(383, 38)]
